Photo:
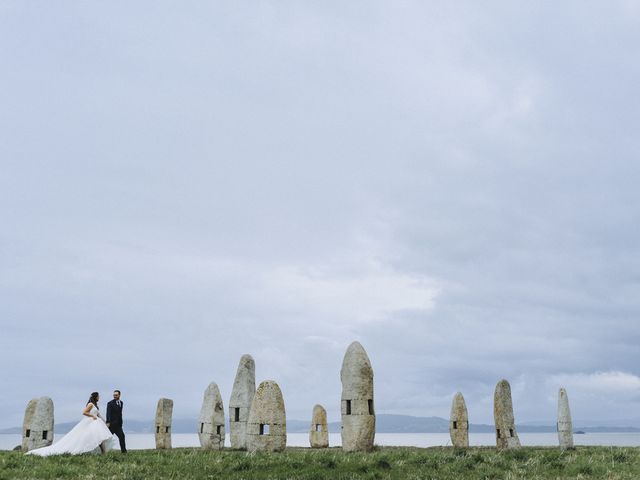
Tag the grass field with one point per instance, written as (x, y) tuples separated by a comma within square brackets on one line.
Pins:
[(300, 463)]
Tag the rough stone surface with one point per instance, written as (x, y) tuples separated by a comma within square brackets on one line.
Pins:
[(211, 421), (37, 428), (506, 435), (319, 431), (357, 408), (267, 424), (244, 389), (459, 422), (565, 426), (164, 411)]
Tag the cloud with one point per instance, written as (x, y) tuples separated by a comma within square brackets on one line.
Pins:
[(454, 186), (600, 383), (357, 297)]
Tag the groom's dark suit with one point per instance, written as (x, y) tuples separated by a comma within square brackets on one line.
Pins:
[(114, 419)]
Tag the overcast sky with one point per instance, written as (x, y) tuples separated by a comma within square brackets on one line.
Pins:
[(453, 184)]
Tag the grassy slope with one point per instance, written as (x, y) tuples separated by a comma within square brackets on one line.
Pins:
[(299, 463)]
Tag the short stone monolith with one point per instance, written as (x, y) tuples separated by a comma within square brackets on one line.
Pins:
[(319, 431), (267, 423), (211, 421), (164, 412), (37, 427), (506, 435), (565, 426), (459, 422), (357, 409), (244, 389)]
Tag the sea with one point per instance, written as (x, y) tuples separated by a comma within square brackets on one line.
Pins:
[(143, 441)]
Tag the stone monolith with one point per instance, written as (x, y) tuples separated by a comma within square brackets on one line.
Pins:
[(358, 414), (244, 389), (211, 421), (506, 435), (164, 412), (267, 424), (37, 428), (459, 422), (565, 426), (319, 432)]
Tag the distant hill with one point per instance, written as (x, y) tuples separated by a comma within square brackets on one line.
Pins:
[(385, 423)]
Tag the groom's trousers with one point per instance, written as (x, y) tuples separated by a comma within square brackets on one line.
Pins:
[(117, 431)]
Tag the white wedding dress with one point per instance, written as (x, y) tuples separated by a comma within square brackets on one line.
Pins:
[(85, 437)]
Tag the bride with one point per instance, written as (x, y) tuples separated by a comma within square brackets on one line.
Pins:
[(86, 436)]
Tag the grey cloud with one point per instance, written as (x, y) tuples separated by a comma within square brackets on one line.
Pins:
[(454, 186)]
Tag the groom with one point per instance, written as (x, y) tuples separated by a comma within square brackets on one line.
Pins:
[(114, 419)]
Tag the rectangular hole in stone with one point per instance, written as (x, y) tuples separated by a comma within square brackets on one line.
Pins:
[(157, 429), (28, 434), (455, 425), (511, 432), (218, 429), (264, 429), (318, 427), (166, 429), (44, 434), (370, 403), (498, 432), (348, 407), (202, 428), (236, 413)]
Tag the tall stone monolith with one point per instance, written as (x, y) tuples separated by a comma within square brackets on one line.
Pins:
[(319, 431), (244, 389), (267, 423), (211, 421), (37, 428), (358, 414), (164, 412), (506, 435), (459, 422), (565, 426)]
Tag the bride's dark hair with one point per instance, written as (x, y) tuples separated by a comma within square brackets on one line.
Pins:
[(94, 399)]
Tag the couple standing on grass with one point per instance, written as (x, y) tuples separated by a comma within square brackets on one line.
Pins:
[(92, 431)]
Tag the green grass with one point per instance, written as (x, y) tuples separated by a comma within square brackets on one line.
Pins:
[(301, 463)]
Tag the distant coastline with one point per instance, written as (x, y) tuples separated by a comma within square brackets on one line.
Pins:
[(385, 423)]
